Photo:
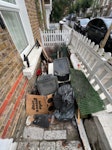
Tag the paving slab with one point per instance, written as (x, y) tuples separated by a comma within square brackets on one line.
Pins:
[(44, 145), (72, 133), (55, 135), (34, 145), (34, 133), (72, 145), (56, 126)]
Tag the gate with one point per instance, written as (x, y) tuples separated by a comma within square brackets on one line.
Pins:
[(50, 38)]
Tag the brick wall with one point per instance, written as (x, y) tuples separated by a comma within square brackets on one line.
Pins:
[(32, 13), (12, 85)]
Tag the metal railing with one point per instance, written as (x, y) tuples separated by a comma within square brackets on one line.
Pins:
[(26, 56)]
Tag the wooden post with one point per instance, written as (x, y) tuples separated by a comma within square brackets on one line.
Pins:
[(78, 116), (45, 54), (103, 42)]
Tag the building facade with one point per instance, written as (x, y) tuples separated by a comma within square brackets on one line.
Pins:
[(19, 29), (100, 8)]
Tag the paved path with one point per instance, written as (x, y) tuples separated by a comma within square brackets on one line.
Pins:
[(59, 136)]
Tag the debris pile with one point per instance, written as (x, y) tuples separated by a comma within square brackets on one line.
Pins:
[(52, 96)]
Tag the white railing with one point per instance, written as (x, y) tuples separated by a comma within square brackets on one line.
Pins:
[(50, 38), (95, 62)]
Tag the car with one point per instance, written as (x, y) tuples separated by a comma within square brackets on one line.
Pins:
[(80, 25), (70, 19), (73, 18), (96, 30), (52, 27)]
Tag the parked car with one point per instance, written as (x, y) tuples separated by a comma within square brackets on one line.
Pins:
[(73, 18), (96, 30), (70, 19), (80, 25)]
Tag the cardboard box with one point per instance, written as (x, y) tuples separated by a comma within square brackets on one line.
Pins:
[(38, 104)]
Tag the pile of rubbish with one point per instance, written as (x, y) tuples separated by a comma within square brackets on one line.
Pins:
[(52, 96)]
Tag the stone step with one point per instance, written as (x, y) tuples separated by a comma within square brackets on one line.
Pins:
[(50, 145), (36, 133), (55, 135)]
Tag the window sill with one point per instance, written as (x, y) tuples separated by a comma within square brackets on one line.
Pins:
[(33, 58)]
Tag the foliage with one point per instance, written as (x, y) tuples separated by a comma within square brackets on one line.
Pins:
[(39, 15), (60, 8), (85, 4), (71, 9), (82, 5), (77, 6)]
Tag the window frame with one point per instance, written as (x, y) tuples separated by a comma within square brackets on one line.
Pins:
[(22, 11)]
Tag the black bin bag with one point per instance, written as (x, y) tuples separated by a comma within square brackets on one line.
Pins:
[(64, 102)]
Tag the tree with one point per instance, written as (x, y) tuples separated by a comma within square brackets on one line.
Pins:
[(85, 4), (60, 8), (82, 5), (77, 6)]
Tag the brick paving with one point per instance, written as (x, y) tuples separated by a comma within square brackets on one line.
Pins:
[(59, 136)]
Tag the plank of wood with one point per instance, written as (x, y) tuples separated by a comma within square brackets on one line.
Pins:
[(83, 135), (45, 54), (78, 116), (103, 42)]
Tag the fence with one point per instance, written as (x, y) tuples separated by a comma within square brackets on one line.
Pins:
[(50, 38), (96, 64)]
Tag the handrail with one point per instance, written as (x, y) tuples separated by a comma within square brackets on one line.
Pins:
[(26, 56)]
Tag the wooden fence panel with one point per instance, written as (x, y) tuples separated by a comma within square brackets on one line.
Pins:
[(51, 38), (96, 63)]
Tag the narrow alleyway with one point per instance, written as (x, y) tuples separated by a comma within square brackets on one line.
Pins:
[(52, 134)]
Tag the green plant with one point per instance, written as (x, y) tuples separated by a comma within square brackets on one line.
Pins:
[(40, 15)]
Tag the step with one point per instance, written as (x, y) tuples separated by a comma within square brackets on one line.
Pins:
[(50, 145), (36, 133)]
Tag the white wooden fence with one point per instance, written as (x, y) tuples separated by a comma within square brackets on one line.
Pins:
[(50, 38), (96, 64)]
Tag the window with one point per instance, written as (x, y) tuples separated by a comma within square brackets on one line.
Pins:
[(10, 1), (15, 16), (15, 27)]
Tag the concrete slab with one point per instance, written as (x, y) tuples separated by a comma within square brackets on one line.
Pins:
[(72, 133), (34, 133), (105, 121), (55, 135), (72, 145), (57, 126), (28, 145), (44, 145)]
